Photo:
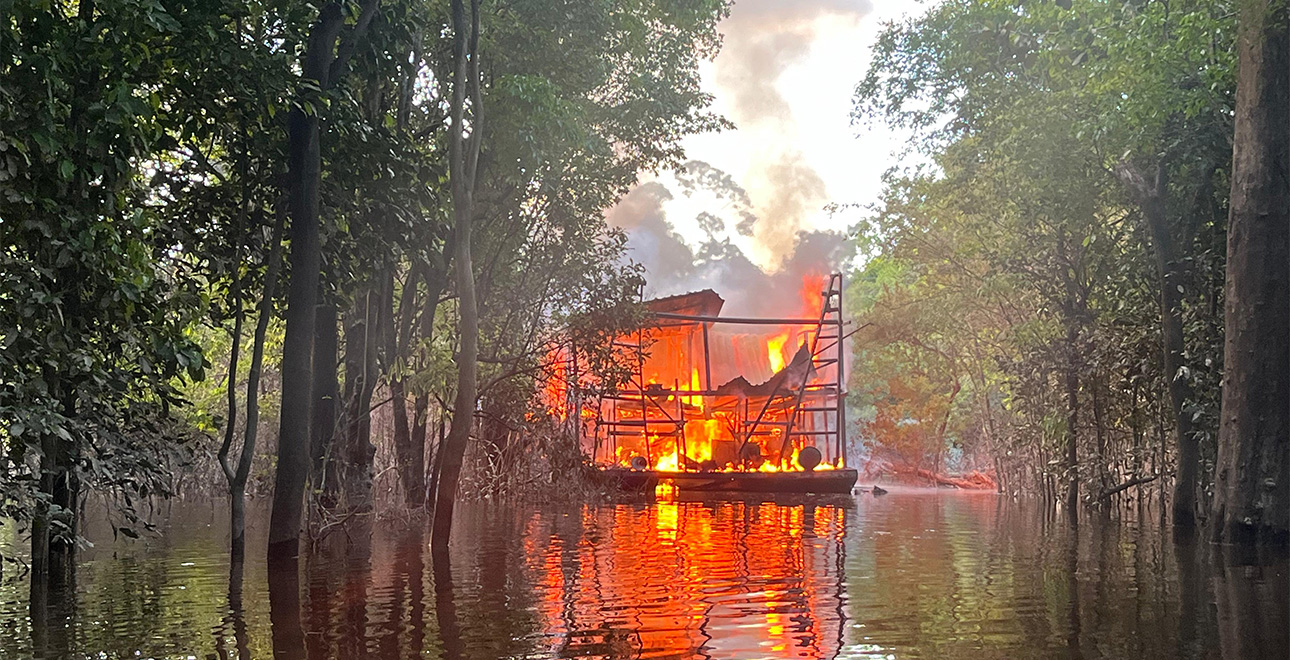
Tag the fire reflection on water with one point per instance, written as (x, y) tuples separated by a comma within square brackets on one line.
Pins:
[(689, 579)]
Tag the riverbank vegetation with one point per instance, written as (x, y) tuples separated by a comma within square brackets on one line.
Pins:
[(1050, 291)]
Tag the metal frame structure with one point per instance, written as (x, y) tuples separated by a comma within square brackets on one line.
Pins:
[(827, 400)]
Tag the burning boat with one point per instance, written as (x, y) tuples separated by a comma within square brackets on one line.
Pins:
[(719, 403)]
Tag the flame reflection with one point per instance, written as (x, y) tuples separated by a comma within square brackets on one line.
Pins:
[(683, 579)]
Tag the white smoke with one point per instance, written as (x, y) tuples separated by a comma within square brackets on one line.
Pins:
[(763, 40)]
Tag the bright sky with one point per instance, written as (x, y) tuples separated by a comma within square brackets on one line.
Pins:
[(811, 54)]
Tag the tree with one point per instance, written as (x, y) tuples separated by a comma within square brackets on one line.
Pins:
[(322, 64), (95, 301), (577, 107), (463, 166), (1253, 469)]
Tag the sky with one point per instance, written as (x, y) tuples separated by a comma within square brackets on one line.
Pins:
[(785, 77)]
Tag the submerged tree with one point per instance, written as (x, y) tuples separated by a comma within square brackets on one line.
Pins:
[(463, 159), (1253, 470), (97, 139)]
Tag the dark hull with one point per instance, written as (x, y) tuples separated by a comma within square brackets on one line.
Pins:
[(823, 481)]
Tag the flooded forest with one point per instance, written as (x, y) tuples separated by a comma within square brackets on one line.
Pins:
[(476, 329)]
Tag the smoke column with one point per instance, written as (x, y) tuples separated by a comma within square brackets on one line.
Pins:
[(672, 266), (763, 39)]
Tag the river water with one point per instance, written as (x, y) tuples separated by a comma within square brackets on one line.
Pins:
[(917, 574)]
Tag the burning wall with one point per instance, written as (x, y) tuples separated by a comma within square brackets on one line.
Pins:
[(718, 394)]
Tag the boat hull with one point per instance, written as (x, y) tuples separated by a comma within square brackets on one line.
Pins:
[(821, 481)]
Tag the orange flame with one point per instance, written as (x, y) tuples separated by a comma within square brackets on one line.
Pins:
[(677, 423), (695, 400), (811, 294), (775, 351)]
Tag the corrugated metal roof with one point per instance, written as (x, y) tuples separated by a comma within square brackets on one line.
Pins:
[(695, 303)]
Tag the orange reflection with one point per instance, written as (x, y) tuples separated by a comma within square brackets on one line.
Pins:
[(682, 580)]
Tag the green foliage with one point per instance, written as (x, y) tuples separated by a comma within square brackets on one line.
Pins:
[(95, 300), (142, 158), (1020, 251)]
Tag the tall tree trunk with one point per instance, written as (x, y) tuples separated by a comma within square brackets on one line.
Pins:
[(1253, 471), (420, 433), (356, 451), (463, 161), (1103, 476), (304, 172), (408, 452), (421, 405), (323, 62), (238, 474), (436, 465), (236, 504), (1150, 196), (53, 548)]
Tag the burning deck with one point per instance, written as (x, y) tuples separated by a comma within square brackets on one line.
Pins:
[(722, 403)]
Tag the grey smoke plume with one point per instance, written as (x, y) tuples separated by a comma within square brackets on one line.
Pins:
[(650, 238), (673, 267), (762, 39)]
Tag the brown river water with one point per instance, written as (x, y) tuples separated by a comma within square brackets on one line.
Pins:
[(914, 574)]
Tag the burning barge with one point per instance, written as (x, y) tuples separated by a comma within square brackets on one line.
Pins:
[(724, 404)]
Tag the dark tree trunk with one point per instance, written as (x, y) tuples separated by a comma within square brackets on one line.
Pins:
[(1150, 197), (356, 451), (419, 435), (436, 463), (326, 393), (236, 498), (53, 546), (463, 160), (1072, 423), (409, 455), (304, 172), (421, 405), (1103, 476), (323, 62), (1253, 471)]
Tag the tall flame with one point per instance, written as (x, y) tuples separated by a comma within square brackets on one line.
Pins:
[(811, 294), (775, 351), (695, 400)]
